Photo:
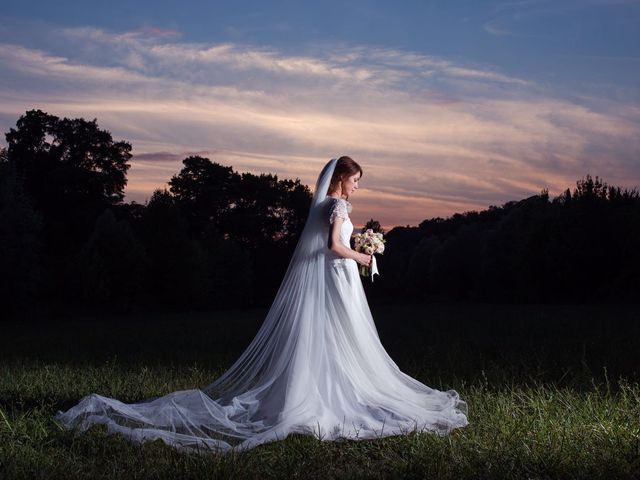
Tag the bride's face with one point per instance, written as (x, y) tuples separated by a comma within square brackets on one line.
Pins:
[(350, 184)]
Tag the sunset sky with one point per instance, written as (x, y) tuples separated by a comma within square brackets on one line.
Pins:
[(449, 106)]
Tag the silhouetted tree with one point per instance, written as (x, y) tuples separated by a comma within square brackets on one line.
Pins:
[(455, 261), (418, 278), (109, 270), (588, 189), (395, 262), (373, 225), (256, 210), (221, 238), (229, 267), (516, 253), (71, 169), (20, 243), (205, 191), (263, 215), (581, 246), (178, 266), (267, 219), (267, 211)]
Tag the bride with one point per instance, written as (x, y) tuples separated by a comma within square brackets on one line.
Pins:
[(316, 366)]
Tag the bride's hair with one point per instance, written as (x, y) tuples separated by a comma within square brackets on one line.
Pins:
[(345, 167)]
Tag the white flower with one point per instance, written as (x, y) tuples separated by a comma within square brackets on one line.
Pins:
[(369, 242)]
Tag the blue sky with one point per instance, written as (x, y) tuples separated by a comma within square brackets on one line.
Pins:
[(449, 106)]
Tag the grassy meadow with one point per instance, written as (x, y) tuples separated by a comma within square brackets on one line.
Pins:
[(553, 392)]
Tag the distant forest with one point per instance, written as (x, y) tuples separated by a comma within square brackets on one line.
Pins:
[(222, 239)]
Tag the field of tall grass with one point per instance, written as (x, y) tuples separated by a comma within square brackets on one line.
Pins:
[(552, 391)]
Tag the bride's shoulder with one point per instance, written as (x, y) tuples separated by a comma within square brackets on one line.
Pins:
[(338, 200), (339, 203), (338, 208)]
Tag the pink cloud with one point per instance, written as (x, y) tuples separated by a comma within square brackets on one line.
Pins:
[(159, 32), (428, 148)]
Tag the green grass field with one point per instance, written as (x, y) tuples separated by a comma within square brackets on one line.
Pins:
[(553, 392)]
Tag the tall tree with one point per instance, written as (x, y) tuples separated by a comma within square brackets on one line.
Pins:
[(20, 243), (71, 169), (109, 270), (204, 191), (260, 214), (178, 265), (373, 225), (255, 210), (267, 211)]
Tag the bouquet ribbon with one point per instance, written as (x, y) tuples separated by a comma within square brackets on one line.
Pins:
[(374, 267)]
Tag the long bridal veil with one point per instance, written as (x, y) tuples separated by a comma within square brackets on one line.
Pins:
[(315, 366), (286, 336)]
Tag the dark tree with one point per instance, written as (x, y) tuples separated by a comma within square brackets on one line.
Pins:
[(20, 243), (178, 265), (71, 169), (395, 262), (109, 270), (267, 211), (373, 225), (205, 192), (260, 214), (455, 261), (255, 210), (267, 219), (418, 278), (582, 246), (229, 270), (590, 190)]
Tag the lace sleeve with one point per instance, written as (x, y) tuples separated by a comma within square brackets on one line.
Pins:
[(340, 209)]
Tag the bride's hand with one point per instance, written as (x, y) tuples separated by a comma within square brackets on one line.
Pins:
[(364, 259)]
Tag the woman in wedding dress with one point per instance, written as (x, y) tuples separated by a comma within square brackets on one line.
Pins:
[(316, 365)]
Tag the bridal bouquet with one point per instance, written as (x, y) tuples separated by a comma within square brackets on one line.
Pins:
[(369, 242)]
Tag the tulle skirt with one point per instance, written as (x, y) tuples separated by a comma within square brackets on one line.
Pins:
[(331, 378)]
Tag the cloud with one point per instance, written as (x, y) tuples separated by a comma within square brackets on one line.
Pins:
[(169, 156), (159, 32), (39, 63), (435, 136), (492, 28)]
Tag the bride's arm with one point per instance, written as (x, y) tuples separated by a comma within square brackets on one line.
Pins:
[(336, 246)]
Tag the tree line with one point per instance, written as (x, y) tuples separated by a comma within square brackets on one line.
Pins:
[(218, 238), (582, 246), (214, 238)]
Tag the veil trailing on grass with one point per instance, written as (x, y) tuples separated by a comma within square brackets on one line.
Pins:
[(316, 366), (299, 304)]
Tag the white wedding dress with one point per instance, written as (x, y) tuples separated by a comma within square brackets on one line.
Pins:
[(316, 366)]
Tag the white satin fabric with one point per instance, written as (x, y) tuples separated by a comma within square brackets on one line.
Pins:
[(316, 366)]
